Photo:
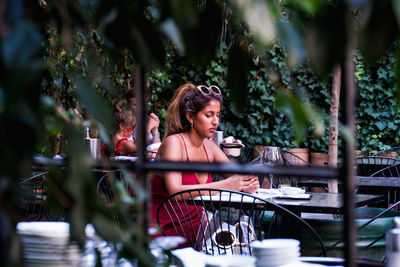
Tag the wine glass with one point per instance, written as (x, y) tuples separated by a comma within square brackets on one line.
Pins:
[(271, 156)]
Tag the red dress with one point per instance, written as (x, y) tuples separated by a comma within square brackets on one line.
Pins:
[(159, 192), (118, 148)]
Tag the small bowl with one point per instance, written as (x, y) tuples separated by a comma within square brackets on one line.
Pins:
[(232, 151)]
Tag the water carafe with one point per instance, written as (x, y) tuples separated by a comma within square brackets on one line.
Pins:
[(93, 145)]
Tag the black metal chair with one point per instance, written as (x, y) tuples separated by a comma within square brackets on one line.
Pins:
[(366, 166), (248, 154), (377, 239), (33, 203), (290, 159), (392, 194), (104, 189), (217, 221)]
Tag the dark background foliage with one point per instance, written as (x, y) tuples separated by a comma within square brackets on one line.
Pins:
[(262, 123)]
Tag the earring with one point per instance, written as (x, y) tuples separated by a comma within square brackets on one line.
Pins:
[(191, 124)]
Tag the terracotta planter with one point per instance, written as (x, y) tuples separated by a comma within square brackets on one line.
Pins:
[(389, 154), (319, 159), (359, 153), (303, 153)]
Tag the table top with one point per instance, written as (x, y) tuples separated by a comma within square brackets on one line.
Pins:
[(327, 202), (319, 202), (366, 181)]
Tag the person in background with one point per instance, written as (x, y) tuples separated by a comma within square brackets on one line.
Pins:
[(192, 118), (124, 119), (153, 122)]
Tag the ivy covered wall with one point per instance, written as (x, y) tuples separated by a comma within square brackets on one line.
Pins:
[(262, 123)]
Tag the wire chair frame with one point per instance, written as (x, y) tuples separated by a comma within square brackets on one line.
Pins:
[(33, 202), (382, 213), (196, 219), (392, 194), (366, 166), (290, 159), (247, 154), (390, 171)]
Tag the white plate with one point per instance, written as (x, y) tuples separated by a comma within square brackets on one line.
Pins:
[(275, 243), (44, 229), (230, 261), (153, 147)]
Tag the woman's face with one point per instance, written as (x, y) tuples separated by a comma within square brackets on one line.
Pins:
[(126, 131), (206, 121)]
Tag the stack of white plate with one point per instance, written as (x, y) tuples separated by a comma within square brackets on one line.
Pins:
[(275, 252), (47, 244)]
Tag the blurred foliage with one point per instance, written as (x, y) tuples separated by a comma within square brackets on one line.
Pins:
[(63, 64)]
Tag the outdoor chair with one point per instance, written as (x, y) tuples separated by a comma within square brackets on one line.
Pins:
[(384, 213), (290, 159), (248, 154), (33, 191), (392, 194), (216, 221), (366, 166), (104, 189)]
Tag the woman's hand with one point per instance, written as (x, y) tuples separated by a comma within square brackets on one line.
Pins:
[(254, 185), (153, 123), (246, 183)]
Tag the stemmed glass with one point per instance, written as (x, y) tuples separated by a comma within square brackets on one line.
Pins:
[(271, 156)]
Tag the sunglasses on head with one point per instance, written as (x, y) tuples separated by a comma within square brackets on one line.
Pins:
[(209, 90)]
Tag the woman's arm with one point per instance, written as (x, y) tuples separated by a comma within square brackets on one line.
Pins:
[(219, 157), (128, 146), (153, 123), (172, 149)]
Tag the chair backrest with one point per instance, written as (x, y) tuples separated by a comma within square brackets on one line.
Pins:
[(217, 221), (290, 159), (104, 189), (33, 202), (389, 171), (392, 194), (366, 166), (247, 154)]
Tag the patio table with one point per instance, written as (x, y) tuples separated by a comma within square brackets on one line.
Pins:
[(387, 186), (331, 203), (361, 181), (318, 203)]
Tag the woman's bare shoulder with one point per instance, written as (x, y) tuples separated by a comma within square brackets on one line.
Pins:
[(171, 148), (172, 140), (215, 153)]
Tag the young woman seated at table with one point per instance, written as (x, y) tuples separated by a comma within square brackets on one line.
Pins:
[(124, 119), (192, 117)]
